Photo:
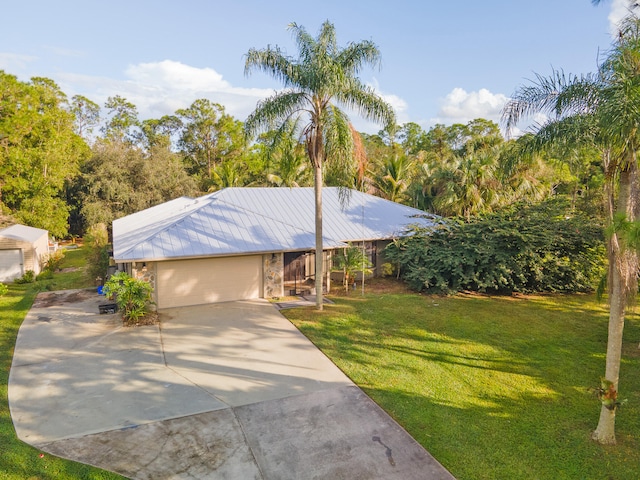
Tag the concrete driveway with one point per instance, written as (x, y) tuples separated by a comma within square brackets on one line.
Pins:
[(225, 391)]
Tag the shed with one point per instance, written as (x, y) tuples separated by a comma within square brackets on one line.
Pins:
[(22, 248)]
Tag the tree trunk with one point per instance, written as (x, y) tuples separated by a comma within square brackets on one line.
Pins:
[(623, 268), (319, 258)]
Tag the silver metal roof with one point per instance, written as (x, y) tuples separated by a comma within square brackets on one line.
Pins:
[(237, 221), (24, 232)]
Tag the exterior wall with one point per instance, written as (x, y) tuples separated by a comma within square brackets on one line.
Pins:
[(146, 271), (32, 253), (273, 268), (209, 280)]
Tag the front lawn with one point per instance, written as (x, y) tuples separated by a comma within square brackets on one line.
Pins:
[(19, 461), (493, 387)]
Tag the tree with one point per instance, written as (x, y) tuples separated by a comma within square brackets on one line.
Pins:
[(351, 261), (600, 110), (39, 152), (208, 135), (323, 76), (393, 177), (120, 179), (123, 120), (86, 113)]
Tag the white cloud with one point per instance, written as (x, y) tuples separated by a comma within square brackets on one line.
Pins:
[(460, 106), (619, 10), (161, 88), (12, 62)]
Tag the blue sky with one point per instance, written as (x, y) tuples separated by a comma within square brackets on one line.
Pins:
[(442, 61)]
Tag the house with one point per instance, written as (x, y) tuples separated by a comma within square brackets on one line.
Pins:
[(22, 248), (241, 243)]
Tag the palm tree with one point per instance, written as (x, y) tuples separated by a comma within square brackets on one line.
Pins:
[(322, 76), (394, 177), (601, 110)]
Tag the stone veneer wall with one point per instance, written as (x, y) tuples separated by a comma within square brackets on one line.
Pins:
[(273, 268), (148, 274)]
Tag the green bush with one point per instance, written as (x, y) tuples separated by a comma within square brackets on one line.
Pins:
[(54, 260), (540, 248), (28, 277), (132, 296), (3, 289), (46, 274), (97, 241), (386, 269)]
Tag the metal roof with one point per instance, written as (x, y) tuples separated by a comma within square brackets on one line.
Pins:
[(237, 221), (24, 233)]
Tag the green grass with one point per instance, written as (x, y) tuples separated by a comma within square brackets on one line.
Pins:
[(19, 461), (494, 388)]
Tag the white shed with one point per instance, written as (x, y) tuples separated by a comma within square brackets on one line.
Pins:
[(22, 248)]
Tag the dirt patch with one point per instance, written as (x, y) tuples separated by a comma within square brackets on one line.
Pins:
[(150, 318), (49, 299), (69, 269)]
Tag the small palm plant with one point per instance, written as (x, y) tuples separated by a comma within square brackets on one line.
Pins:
[(351, 261), (132, 296)]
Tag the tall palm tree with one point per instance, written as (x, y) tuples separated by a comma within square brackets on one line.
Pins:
[(321, 78), (603, 110)]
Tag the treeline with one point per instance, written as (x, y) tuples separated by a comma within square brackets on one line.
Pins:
[(67, 164)]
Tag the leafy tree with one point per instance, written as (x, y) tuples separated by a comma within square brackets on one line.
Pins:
[(122, 121), (86, 114), (322, 76), (121, 179), (286, 157), (600, 110), (208, 135), (39, 152)]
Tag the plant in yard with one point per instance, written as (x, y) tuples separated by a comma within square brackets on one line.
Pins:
[(3, 289), (97, 241), (322, 77), (351, 261), (132, 296), (28, 277), (53, 260)]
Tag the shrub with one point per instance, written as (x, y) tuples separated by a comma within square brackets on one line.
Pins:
[(540, 248), (46, 274), (97, 241), (3, 289), (28, 277), (132, 296), (386, 269), (54, 260)]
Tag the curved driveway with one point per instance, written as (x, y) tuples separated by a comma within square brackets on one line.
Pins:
[(224, 391)]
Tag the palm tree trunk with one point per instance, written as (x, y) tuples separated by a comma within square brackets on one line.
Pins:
[(319, 249), (623, 268)]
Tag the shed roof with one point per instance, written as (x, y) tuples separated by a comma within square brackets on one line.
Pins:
[(237, 221), (24, 233)]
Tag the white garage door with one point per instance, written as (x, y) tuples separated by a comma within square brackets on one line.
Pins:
[(10, 264), (211, 280)]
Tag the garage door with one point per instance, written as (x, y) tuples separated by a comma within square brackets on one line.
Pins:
[(211, 280), (10, 264)]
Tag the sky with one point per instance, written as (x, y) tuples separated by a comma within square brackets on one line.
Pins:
[(442, 61)]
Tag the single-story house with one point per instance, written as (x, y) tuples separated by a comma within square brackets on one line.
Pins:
[(242, 243), (22, 248)]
